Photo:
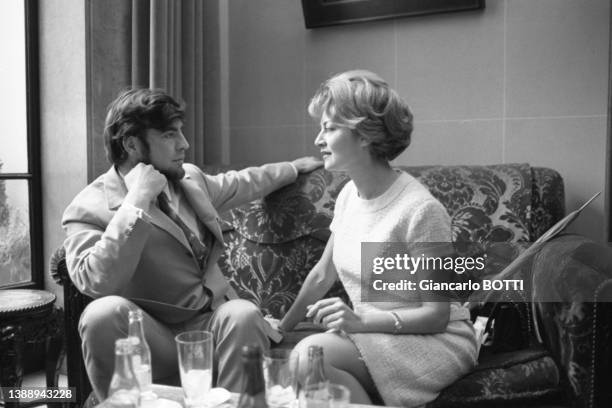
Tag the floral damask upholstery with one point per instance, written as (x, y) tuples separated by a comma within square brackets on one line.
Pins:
[(505, 379), (272, 243), (574, 282), (303, 208), (486, 203), (547, 200), (270, 275)]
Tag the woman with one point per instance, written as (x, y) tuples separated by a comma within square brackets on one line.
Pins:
[(406, 351)]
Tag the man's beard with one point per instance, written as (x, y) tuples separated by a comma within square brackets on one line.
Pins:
[(174, 175)]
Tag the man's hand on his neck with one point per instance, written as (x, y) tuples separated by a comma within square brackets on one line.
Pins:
[(144, 184)]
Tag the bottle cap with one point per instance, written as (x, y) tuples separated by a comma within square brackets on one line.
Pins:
[(134, 314), (314, 351), (124, 346), (251, 351)]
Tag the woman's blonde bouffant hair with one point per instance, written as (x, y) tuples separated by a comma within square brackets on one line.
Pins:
[(362, 101)]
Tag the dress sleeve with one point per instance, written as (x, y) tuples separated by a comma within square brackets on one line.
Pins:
[(430, 223)]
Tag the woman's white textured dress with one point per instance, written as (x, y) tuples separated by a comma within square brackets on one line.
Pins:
[(408, 369)]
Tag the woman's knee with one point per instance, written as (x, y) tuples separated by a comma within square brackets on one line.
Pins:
[(319, 339)]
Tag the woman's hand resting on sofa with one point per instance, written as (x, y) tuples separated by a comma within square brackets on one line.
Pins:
[(334, 314)]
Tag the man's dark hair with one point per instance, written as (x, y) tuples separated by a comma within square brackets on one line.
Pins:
[(132, 113)]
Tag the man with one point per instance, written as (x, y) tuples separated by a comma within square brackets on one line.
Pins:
[(146, 235)]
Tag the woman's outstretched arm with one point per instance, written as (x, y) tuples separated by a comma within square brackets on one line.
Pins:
[(319, 280)]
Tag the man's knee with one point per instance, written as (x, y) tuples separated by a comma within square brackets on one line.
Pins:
[(240, 313), (103, 316), (235, 324)]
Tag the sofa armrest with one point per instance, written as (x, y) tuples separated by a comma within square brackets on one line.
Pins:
[(602, 356), (547, 200), (74, 304), (572, 291), (57, 267)]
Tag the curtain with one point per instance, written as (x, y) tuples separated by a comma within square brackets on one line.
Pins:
[(147, 43), (167, 52)]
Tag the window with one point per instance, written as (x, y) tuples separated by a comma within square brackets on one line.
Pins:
[(21, 263)]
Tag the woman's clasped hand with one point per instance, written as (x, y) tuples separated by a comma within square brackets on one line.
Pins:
[(334, 314)]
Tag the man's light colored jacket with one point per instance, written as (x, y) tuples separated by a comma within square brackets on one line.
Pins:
[(113, 250)]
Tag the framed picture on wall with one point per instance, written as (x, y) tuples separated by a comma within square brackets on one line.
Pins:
[(319, 13)]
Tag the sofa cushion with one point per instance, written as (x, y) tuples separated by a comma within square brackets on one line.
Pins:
[(303, 208), (523, 376), (547, 200), (497, 256), (486, 203), (270, 275)]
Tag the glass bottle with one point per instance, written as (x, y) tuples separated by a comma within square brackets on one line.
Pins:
[(315, 374), (123, 391), (141, 361), (253, 386)]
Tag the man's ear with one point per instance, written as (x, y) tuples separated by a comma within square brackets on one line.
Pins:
[(132, 145)]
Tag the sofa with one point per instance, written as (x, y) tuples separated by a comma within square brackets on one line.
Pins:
[(559, 356)]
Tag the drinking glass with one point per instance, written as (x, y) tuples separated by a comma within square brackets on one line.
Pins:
[(195, 357), (339, 396), (280, 373), (324, 395)]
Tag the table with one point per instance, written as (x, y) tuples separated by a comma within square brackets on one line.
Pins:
[(176, 394), (28, 317)]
